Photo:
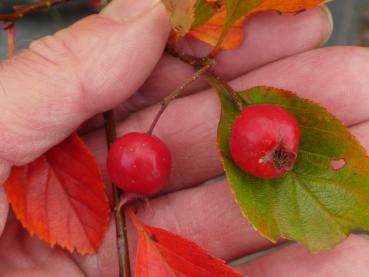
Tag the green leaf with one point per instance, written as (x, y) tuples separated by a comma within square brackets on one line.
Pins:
[(313, 204), (238, 8), (203, 12), (181, 13), (235, 10)]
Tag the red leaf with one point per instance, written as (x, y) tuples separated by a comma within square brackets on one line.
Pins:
[(161, 253), (287, 6), (60, 197), (212, 31)]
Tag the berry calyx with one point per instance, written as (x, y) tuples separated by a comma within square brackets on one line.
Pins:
[(139, 163), (264, 140)]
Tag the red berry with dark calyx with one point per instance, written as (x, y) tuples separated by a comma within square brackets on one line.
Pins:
[(139, 163), (264, 140)]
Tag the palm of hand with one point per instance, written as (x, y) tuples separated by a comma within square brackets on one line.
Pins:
[(321, 75)]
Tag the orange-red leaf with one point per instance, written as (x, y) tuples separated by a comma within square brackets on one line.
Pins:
[(161, 253), (288, 6), (60, 197), (225, 30), (212, 30)]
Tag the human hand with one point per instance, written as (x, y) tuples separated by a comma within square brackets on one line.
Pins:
[(105, 60)]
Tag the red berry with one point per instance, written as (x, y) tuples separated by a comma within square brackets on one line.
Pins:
[(139, 163), (264, 140)]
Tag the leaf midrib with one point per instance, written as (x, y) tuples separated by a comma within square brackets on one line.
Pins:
[(72, 205)]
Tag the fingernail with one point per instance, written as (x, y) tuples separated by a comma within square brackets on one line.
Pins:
[(364, 235), (327, 13), (124, 10)]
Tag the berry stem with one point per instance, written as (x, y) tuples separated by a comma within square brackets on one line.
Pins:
[(217, 83), (214, 80), (120, 220), (202, 67), (25, 9)]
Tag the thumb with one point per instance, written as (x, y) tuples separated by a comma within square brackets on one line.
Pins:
[(48, 90)]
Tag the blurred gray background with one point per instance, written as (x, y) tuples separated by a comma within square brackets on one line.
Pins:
[(351, 22), (40, 24), (351, 18)]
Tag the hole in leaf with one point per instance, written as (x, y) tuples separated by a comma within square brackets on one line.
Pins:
[(338, 164)]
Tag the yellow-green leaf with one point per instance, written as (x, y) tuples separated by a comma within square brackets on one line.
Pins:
[(235, 10), (238, 9), (181, 13), (203, 12)]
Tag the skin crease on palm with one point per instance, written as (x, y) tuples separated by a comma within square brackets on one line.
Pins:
[(116, 59)]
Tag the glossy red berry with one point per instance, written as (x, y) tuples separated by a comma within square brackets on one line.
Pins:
[(264, 140), (139, 163)]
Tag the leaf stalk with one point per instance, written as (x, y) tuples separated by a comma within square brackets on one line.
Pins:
[(205, 65), (214, 80)]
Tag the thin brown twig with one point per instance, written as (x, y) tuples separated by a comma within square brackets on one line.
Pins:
[(110, 129), (218, 83), (23, 10), (120, 220), (206, 65), (209, 76)]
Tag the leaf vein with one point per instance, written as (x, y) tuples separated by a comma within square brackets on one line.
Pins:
[(321, 206), (74, 210)]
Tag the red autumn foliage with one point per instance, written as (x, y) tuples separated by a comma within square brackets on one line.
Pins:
[(162, 253), (60, 197), (211, 31)]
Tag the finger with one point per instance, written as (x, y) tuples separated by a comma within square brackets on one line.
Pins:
[(350, 258), (218, 224), (262, 45), (361, 132), (25, 255), (4, 209), (207, 215), (334, 77), (105, 261), (206, 203), (210, 203), (61, 80), (191, 136)]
